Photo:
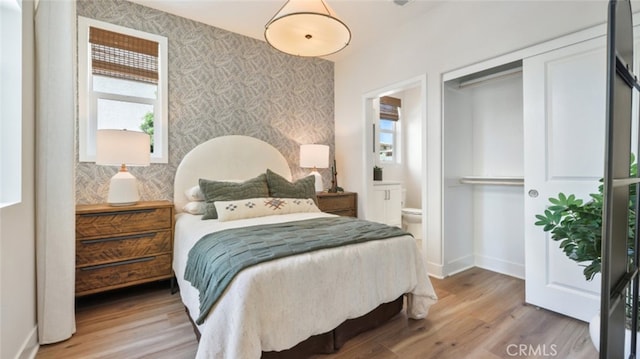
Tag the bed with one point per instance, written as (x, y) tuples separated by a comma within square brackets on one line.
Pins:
[(310, 302)]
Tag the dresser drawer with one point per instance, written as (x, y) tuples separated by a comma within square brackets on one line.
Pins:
[(342, 204), (127, 221), (118, 248), (343, 212), (336, 202), (119, 274)]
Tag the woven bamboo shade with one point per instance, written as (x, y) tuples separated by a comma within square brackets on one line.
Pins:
[(123, 56), (389, 108)]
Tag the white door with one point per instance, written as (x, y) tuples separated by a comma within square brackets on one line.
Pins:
[(564, 127)]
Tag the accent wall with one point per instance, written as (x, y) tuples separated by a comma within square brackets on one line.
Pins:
[(220, 83)]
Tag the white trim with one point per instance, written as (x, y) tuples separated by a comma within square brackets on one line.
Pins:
[(30, 346), (435, 270), (499, 265), (86, 127), (458, 265)]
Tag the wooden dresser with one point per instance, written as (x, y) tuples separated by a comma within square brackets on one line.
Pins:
[(119, 246), (341, 203)]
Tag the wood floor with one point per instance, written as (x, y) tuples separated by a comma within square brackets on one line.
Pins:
[(480, 314)]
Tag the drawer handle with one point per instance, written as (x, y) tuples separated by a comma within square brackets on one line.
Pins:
[(107, 265), (133, 211), (111, 239)]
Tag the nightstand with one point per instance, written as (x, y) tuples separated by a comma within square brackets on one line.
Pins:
[(341, 203), (120, 246)]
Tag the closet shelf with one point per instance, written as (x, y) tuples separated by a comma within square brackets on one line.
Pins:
[(497, 181)]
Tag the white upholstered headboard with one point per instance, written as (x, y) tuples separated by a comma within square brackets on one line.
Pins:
[(226, 158)]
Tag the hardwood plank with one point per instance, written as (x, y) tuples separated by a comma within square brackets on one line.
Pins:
[(480, 314)]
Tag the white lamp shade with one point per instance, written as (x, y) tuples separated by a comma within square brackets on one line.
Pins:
[(314, 156), (307, 28), (117, 147)]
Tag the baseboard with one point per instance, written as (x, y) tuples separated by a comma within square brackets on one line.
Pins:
[(500, 266), (30, 346), (434, 270), (458, 265)]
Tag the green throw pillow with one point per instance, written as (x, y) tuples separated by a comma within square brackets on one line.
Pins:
[(280, 187), (230, 191)]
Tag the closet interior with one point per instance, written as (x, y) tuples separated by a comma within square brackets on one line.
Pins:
[(483, 168)]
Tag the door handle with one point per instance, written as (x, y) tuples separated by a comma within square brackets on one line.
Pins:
[(533, 193)]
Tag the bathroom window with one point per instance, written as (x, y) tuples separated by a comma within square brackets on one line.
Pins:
[(123, 85), (388, 129)]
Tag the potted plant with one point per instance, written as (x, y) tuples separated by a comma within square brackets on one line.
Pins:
[(377, 173), (577, 225)]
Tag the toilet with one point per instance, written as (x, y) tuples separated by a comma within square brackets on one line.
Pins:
[(411, 218)]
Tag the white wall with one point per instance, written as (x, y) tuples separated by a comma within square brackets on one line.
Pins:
[(412, 146), (453, 35), (17, 224), (458, 211), (10, 105), (498, 150)]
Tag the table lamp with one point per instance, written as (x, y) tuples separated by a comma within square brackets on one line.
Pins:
[(315, 156), (122, 148)]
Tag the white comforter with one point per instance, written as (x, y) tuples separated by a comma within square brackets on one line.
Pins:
[(277, 304)]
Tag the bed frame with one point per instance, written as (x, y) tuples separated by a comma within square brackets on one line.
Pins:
[(251, 156), (332, 341)]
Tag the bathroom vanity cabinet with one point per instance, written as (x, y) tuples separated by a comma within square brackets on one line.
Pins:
[(387, 203)]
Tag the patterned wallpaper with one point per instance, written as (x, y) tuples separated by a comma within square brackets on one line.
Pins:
[(220, 83)]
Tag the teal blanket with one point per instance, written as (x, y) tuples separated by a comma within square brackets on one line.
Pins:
[(218, 257)]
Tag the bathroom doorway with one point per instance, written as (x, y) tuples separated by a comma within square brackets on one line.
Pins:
[(398, 148)]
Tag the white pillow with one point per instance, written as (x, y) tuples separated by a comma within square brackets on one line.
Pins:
[(194, 207), (194, 194), (260, 207)]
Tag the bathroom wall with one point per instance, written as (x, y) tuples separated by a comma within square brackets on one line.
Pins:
[(412, 146)]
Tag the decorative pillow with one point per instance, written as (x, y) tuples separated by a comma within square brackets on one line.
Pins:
[(194, 194), (229, 191), (197, 207), (260, 207), (280, 187)]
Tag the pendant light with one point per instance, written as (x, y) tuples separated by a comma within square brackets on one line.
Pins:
[(307, 28)]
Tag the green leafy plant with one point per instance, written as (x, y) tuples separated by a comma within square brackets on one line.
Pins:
[(577, 225), (147, 126)]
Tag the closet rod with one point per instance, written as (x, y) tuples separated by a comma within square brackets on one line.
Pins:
[(498, 181)]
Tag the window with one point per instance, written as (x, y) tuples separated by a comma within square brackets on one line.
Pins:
[(388, 129), (10, 103), (122, 85)]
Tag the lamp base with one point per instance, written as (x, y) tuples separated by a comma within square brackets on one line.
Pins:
[(319, 185), (123, 189)]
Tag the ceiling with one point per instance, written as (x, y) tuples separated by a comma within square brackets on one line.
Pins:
[(366, 18)]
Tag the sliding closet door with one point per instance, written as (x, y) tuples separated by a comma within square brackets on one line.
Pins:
[(564, 112)]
